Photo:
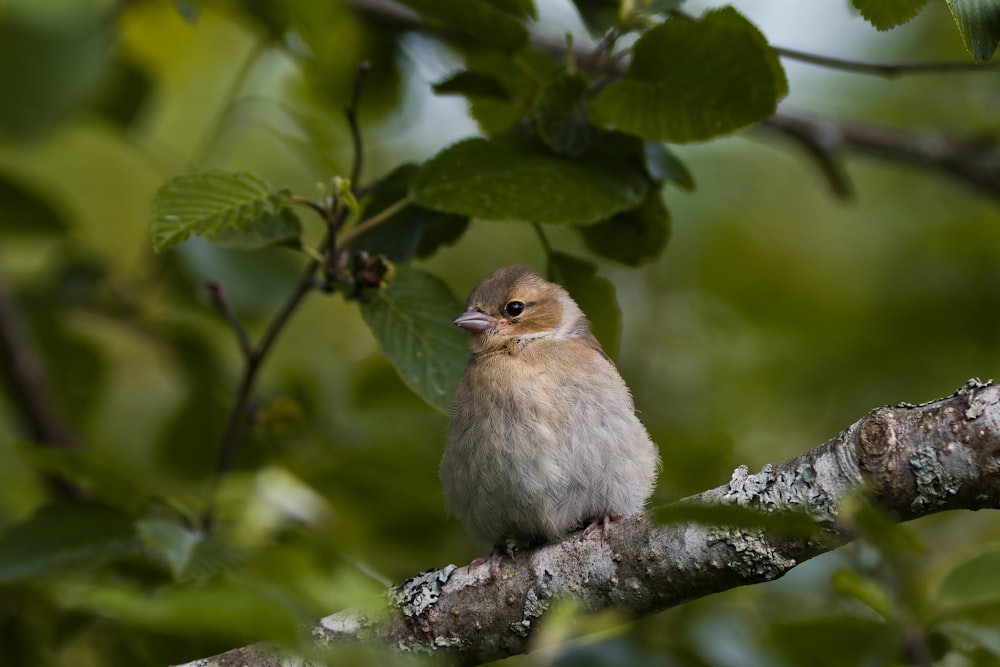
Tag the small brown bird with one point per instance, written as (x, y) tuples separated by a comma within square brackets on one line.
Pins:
[(544, 438)]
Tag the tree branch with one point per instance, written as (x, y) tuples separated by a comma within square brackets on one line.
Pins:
[(971, 159), (911, 461)]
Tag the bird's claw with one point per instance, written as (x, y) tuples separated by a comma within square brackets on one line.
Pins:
[(605, 524), (499, 551)]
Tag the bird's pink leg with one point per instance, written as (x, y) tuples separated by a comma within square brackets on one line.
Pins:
[(499, 551), (605, 523)]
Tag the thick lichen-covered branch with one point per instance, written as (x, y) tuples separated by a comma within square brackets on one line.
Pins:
[(909, 460)]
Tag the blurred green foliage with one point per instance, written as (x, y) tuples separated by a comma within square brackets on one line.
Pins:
[(753, 317)]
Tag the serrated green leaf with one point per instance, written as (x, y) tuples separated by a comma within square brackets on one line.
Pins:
[(441, 230), (208, 203), (205, 611), (477, 18), (664, 166), (561, 118), (515, 177), (631, 237), (412, 320), (595, 296), (694, 81), (84, 469), (979, 23), (977, 577), (518, 75), (189, 555), (886, 14), (472, 84), (281, 228), (65, 536), (414, 230)]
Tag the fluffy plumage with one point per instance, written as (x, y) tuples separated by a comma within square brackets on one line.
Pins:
[(544, 437)]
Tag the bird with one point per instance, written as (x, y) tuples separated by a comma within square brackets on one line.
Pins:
[(544, 439)]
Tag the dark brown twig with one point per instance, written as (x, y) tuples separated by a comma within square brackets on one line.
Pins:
[(352, 121), (887, 70), (974, 160), (213, 291), (240, 416), (24, 375)]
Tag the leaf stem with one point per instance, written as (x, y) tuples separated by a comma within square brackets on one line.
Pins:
[(376, 219), (542, 237)]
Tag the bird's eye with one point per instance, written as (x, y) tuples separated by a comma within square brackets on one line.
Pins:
[(514, 308)]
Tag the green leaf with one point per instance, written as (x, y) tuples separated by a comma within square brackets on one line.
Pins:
[(241, 614), (281, 228), (414, 230), (978, 577), (51, 63), (561, 119), (694, 81), (86, 470), (518, 76), (631, 237), (886, 14), (189, 555), (833, 641), (598, 15), (65, 536), (26, 211), (979, 23), (871, 593), (412, 320), (595, 296), (440, 230), (472, 84), (477, 18), (210, 202), (664, 166), (522, 9), (514, 177)]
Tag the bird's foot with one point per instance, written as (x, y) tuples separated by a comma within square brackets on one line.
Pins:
[(499, 551), (604, 523)]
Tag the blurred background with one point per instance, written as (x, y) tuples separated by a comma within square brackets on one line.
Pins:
[(778, 314)]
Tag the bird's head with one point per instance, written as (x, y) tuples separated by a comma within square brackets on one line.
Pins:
[(516, 304)]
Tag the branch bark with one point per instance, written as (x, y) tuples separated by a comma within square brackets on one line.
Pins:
[(909, 460)]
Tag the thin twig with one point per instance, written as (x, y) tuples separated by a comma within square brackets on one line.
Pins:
[(28, 390), (213, 291), (352, 121), (887, 70), (240, 417), (973, 159)]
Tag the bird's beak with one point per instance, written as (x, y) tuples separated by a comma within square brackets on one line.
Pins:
[(475, 321)]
